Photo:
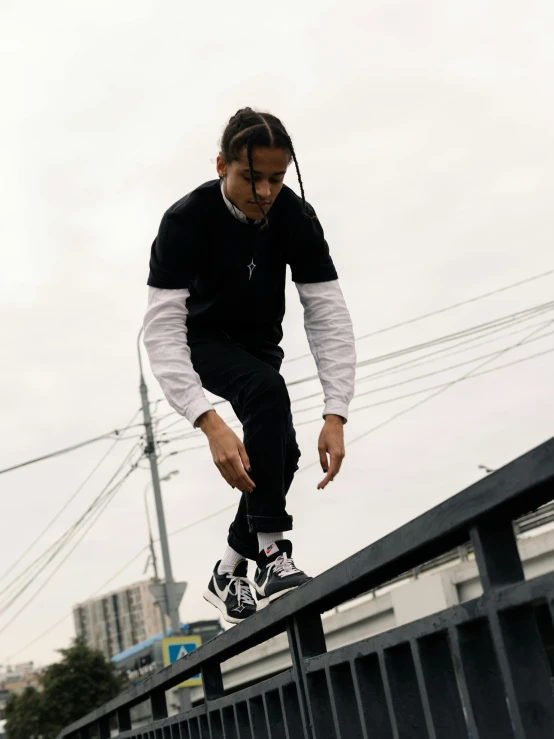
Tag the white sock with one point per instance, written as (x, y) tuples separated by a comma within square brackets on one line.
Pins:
[(266, 540), (229, 561)]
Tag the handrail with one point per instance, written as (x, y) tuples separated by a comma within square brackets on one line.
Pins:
[(516, 489)]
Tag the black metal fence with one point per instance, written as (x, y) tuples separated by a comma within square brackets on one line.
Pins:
[(479, 669)]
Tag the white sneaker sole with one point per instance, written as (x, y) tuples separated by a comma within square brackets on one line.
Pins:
[(265, 601), (218, 603)]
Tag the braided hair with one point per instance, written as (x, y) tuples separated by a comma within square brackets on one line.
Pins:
[(250, 128)]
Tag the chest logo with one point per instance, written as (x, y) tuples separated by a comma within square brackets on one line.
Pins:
[(251, 268)]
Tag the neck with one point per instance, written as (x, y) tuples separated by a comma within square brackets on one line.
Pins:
[(235, 212)]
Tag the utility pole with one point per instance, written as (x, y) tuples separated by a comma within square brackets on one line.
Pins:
[(161, 604), (171, 597)]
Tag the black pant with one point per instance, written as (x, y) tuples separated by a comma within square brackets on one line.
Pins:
[(249, 379)]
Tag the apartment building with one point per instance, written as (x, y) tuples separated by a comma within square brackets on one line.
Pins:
[(118, 620)]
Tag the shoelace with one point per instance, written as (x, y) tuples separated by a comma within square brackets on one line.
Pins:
[(241, 590), (284, 566)]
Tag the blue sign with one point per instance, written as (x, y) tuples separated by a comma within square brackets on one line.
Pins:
[(175, 648), (177, 651)]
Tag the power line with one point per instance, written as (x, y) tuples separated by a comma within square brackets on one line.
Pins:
[(446, 385), (73, 447), (434, 394), (49, 630), (29, 576), (446, 351), (437, 312), (66, 504), (374, 333), (406, 395), (38, 566), (503, 320), (62, 540), (435, 372), (433, 387), (488, 327), (114, 576), (441, 388), (427, 358), (101, 510), (421, 317), (467, 334)]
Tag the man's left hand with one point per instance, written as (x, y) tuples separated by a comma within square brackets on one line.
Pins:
[(331, 448)]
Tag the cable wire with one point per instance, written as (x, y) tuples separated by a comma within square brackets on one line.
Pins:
[(433, 395), (435, 372), (430, 357), (433, 387), (72, 448), (49, 555), (437, 312), (210, 516), (105, 504), (373, 429), (466, 335), (65, 505), (233, 423)]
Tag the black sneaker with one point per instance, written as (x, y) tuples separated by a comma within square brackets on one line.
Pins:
[(276, 573), (232, 594)]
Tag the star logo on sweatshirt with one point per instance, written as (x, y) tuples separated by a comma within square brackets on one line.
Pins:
[(251, 268)]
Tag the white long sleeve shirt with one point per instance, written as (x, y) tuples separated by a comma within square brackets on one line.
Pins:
[(328, 328)]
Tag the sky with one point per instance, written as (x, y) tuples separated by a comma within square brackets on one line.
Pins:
[(424, 137)]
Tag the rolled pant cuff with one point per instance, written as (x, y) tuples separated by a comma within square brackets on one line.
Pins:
[(241, 548), (267, 524)]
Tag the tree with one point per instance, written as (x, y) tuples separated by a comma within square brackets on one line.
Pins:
[(82, 681), (24, 715)]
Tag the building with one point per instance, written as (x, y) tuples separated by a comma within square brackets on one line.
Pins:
[(116, 621), (15, 679)]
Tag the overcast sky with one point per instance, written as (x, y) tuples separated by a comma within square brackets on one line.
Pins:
[(424, 136)]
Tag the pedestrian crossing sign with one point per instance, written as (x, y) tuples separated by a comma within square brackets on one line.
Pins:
[(177, 647)]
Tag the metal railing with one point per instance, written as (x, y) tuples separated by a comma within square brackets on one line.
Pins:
[(478, 669)]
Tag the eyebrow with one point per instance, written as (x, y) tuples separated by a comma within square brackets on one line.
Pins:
[(256, 172)]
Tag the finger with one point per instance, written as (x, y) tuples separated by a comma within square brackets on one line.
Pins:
[(231, 474), (244, 482), (323, 458), (235, 474), (336, 462), (334, 468), (244, 457), (324, 482), (224, 474)]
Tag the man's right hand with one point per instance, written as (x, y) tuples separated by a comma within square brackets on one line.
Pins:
[(228, 451)]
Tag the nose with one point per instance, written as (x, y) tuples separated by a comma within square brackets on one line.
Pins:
[(263, 190)]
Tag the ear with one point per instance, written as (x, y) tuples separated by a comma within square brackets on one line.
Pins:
[(221, 166)]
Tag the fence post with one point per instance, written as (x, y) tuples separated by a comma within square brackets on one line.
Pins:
[(306, 639), (212, 681), (104, 727), (124, 719), (158, 702), (521, 657)]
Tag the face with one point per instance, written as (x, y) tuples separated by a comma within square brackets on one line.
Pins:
[(270, 166)]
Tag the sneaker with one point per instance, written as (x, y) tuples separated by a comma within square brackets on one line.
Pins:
[(231, 593), (276, 573)]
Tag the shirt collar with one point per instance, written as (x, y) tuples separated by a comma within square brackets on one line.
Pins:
[(234, 211)]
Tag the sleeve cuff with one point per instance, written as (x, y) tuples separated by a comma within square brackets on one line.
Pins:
[(336, 408), (196, 409)]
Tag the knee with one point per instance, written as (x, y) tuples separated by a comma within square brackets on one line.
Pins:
[(269, 387)]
